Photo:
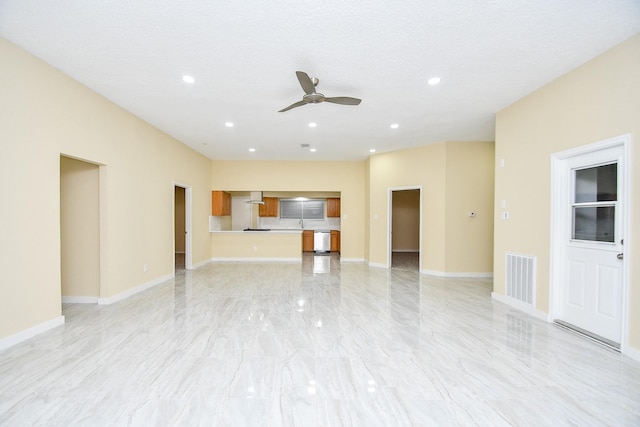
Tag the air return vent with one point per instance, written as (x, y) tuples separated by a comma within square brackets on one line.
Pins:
[(521, 277)]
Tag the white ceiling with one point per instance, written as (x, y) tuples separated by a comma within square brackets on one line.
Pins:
[(244, 54)]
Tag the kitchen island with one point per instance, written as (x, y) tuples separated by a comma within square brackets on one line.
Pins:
[(257, 245)]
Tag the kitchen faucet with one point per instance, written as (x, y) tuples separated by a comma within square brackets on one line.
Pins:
[(301, 222)]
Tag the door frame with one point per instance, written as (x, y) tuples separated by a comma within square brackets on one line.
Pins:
[(390, 222), (188, 241), (559, 226)]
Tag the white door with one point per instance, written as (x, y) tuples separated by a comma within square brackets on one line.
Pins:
[(592, 275)]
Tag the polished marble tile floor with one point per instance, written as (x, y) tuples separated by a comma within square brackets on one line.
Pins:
[(314, 344)]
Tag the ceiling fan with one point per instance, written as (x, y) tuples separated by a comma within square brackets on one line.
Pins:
[(312, 97)]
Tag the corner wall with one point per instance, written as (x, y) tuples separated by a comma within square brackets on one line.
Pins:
[(456, 177), (43, 114)]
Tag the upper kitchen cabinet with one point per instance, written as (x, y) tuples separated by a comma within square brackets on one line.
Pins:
[(220, 203), (269, 207), (333, 207)]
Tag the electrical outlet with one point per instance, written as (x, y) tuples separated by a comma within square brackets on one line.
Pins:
[(145, 268)]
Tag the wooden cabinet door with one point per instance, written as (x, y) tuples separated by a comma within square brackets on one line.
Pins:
[(270, 207), (220, 203), (333, 207), (335, 240), (307, 241)]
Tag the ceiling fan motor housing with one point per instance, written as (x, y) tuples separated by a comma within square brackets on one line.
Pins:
[(313, 98)]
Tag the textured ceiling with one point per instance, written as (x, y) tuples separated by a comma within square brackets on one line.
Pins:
[(244, 54)]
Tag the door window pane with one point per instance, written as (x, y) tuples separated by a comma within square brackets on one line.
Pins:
[(595, 223), (598, 184)]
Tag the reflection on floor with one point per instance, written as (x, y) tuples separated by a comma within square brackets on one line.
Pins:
[(179, 261), (280, 344), (405, 260)]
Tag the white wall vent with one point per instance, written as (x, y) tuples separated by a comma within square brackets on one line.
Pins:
[(521, 277)]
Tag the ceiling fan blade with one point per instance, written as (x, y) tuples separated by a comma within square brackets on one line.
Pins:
[(305, 82), (344, 100), (294, 105)]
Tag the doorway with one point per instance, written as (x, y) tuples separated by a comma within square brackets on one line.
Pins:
[(79, 231), (404, 228), (182, 227), (588, 268)]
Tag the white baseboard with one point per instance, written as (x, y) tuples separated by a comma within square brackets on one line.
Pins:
[(514, 303), (200, 264), (352, 259), (378, 264), (79, 300), (265, 259), (126, 294), (21, 336), (457, 274), (633, 353)]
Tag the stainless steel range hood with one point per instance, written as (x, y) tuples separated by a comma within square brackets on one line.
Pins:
[(255, 198)]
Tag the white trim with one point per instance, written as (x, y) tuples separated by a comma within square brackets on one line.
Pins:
[(126, 294), (514, 303), (247, 259), (558, 223), (352, 259), (201, 263), (632, 353), (79, 300), (378, 264), (22, 336), (390, 191), (457, 274)]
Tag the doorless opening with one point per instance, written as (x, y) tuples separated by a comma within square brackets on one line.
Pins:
[(79, 231), (404, 229)]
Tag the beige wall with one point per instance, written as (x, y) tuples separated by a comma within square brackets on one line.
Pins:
[(79, 228), (243, 245), (44, 114), (455, 177), (405, 220), (423, 166), (469, 181), (347, 178), (596, 101)]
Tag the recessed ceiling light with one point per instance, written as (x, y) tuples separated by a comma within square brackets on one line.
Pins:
[(229, 124), (313, 150), (188, 79), (394, 126), (252, 149), (313, 124), (373, 150), (433, 81)]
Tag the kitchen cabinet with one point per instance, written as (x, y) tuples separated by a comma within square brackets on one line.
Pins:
[(333, 207), (335, 240), (220, 203), (307, 241), (270, 207)]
